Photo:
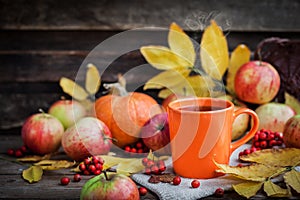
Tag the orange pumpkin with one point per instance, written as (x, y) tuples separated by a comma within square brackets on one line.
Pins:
[(125, 115)]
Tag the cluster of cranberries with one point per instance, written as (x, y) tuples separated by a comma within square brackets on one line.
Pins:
[(136, 148), (91, 165), (19, 152), (264, 139), (153, 167)]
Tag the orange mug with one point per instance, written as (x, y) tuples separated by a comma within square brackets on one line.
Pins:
[(200, 134)]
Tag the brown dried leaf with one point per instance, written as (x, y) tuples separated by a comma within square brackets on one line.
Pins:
[(33, 174), (55, 164), (274, 190), (275, 157), (164, 178), (256, 172), (247, 189), (292, 178), (34, 158)]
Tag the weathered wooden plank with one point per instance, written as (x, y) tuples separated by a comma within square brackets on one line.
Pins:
[(16, 40), (117, 15)]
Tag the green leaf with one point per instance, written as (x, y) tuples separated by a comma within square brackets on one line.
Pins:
[(247, 189), (93, 79), (292, 178), (33, 174)]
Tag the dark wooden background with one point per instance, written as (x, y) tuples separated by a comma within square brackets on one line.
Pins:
[(41, 41)]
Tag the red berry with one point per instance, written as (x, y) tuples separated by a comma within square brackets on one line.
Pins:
[(77, 178), (279, 143), (95, 160), (241, 154), (82, 167), (176, 180), (23, 149), (162, 168), (240, 165), (145, 161), (263, 144), (272, 143), (87, 161), (86, 172), (154, 169), (139, 145), (98, 166), (133, 150), (247, 151), (100, 160), (262, 136), (92, 168), (64, 181), (97, 172), (147, 171), (143, 191), (256, 144), (127, 149), (253, 149), (271, 136), (195, 184), (150, 163), (10, 152), (219, 192), (256, 137), (18, 153), (140, 151)]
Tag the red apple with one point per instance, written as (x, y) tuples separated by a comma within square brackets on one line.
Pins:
[(42, 133), (291, 132), (256, 82), (155, 133), (110, 186), (88, 136), (273, 116), (67, 111)]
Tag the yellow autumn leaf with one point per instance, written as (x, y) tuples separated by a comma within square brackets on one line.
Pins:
[(130, 166), (93, 79), (55, 164), (163, 58), (181, 44), (73, 89), (110, 161), (167, 79), (292, 178), (292, 101), (33, 174), (275, 157), (214, 51), (274, 190), (256, 172), (34, 158), (247, 189), (240, 55)]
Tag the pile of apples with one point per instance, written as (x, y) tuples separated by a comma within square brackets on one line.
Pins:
[(66, 124)]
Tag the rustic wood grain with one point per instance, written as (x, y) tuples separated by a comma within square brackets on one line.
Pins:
[(117, 15)]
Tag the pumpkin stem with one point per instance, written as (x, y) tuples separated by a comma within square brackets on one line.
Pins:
[(116, 89)]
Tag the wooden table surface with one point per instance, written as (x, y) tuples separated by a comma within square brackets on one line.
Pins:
[(12, 185)]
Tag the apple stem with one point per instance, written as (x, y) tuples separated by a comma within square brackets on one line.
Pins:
[(110, 138), (259, 56), (41, 111)]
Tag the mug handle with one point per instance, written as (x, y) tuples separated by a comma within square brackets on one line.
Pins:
[(252, 131)]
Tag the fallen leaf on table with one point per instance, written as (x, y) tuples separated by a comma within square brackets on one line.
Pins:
[(292, 178), (275, 157), (131, 166), (247, 189), (240, 55), (55, 164), (33, 174), (255, 172), (34, 158), (274, 190)]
